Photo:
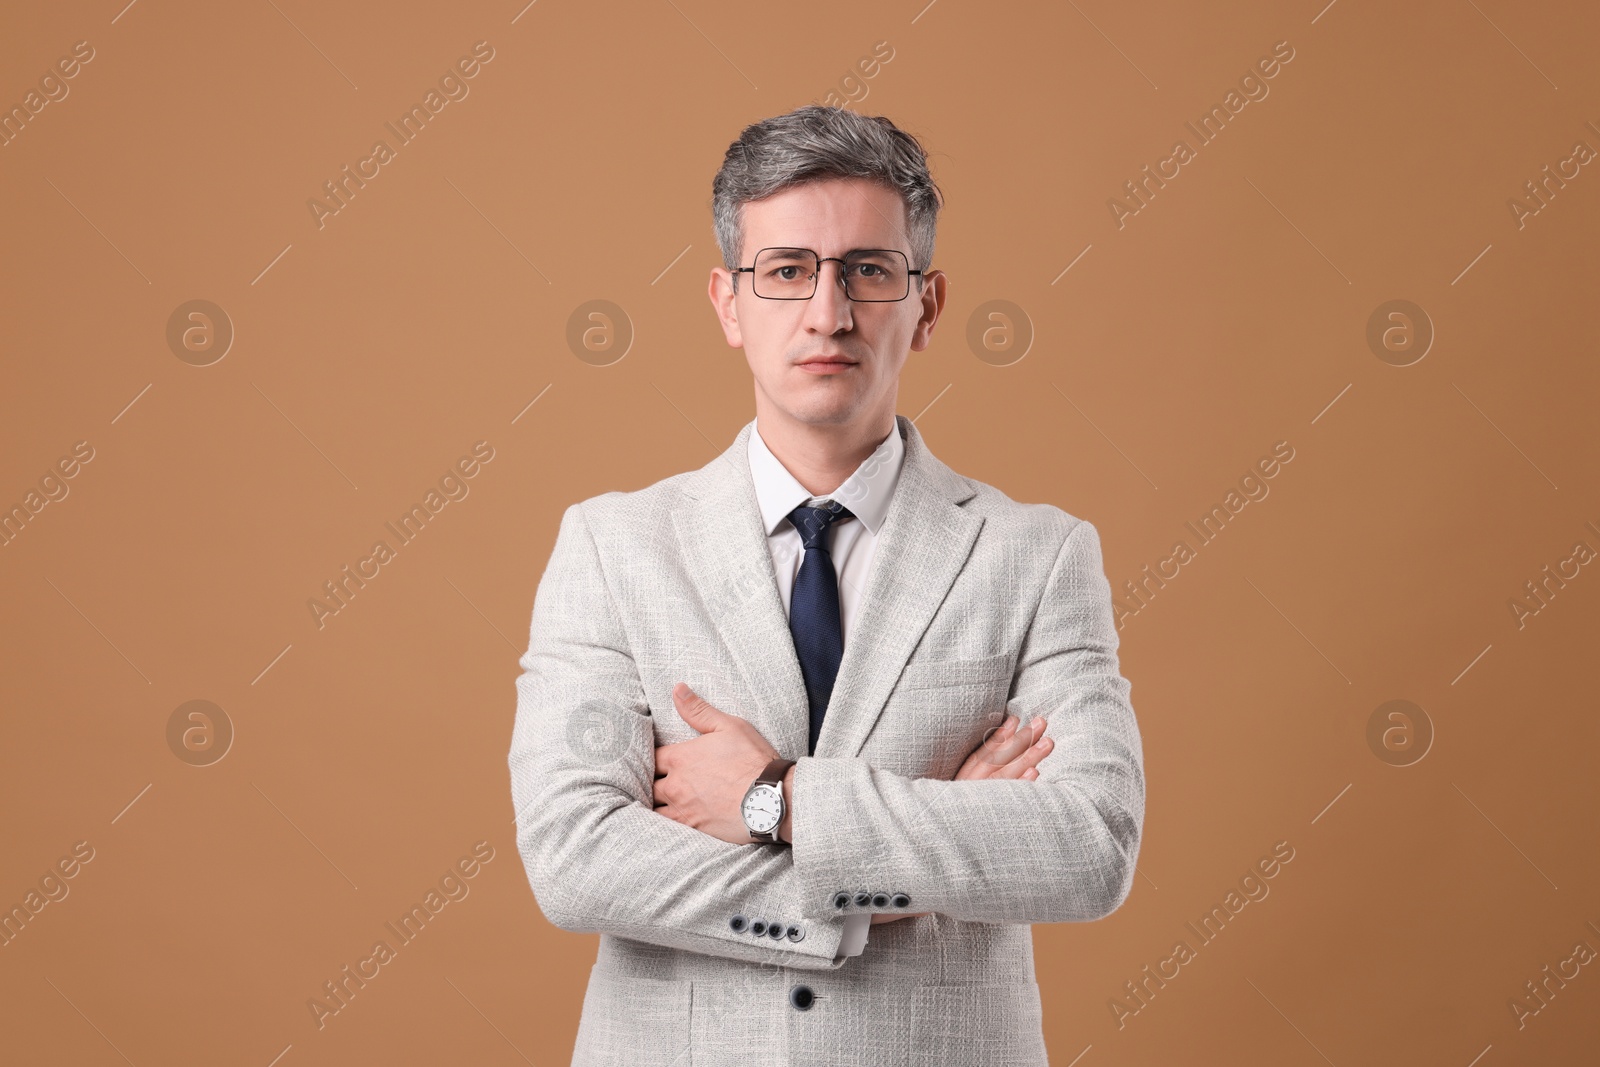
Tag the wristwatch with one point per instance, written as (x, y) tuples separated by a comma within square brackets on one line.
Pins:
[(762, 806)]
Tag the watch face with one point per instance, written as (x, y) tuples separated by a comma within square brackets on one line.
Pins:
[(763, 809)]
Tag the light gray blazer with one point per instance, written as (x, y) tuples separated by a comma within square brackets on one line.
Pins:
[(973, 599)]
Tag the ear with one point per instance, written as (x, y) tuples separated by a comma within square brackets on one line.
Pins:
[(932, 302), (725, 302)]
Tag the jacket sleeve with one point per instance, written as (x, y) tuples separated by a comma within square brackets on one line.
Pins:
[(598, 856), (1060, 848)]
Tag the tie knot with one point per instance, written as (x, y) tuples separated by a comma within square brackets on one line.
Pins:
[(813, 522)]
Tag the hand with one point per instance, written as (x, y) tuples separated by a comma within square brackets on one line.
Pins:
[(701, 782), (894, 917), (1008, 752), (1011, 751)]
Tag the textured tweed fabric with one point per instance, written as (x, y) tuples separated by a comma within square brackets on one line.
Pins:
[(714, 953)]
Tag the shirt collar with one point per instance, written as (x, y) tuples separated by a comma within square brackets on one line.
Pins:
[(866, 492)]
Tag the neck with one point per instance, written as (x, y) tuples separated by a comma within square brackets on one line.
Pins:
[(821, 456)]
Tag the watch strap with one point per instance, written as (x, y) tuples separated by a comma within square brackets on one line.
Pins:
[(774, 772)]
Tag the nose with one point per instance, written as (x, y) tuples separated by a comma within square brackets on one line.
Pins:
[(829, 308)]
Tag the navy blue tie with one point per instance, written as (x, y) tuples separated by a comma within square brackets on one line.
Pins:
[(814, 610)]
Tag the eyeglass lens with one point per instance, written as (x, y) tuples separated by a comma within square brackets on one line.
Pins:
[(869, 274)]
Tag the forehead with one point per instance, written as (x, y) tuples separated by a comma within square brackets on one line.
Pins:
[(830, 215)]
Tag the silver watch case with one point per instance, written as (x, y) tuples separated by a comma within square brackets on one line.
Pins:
[(769, 799)]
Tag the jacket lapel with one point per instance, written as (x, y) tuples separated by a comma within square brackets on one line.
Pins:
[(923, 544), (724, 547)]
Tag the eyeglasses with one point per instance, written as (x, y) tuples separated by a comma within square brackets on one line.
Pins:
[(869, 275)]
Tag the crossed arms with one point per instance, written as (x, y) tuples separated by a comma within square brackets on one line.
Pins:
[(701, 782), (1057, 847)]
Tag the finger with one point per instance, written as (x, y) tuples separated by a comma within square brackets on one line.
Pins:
[(992, 754), (1030, 774), (983, 759), (1007, 743), (672, 813), (1015, 744), (997, 734), (694, 709), (1029, 757), (893, 917), (1027, 760), (1001, 745), (973, 769)]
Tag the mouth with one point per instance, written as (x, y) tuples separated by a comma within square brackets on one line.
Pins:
[(826, 366)]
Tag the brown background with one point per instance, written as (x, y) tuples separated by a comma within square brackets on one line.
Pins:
[(1229, 314)]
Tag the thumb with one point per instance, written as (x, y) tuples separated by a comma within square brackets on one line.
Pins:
[(694, 708)]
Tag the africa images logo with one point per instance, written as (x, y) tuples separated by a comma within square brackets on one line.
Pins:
[(452, 87), (453, 887), (340, 591), (1252, 84)]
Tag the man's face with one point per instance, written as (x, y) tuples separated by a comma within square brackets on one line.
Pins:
[(830, 216)]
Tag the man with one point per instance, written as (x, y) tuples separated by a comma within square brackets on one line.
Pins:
[(760, 743)]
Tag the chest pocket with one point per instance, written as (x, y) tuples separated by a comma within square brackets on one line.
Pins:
[(939, 711), (944, 673)]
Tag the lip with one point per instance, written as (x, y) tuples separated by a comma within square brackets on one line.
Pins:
[(830, 366)]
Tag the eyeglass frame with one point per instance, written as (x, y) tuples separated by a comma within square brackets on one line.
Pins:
[(843, 282)]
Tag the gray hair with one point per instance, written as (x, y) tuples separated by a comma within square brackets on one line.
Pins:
[(816, 142)]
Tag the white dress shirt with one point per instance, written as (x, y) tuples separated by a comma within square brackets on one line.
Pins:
[(852, 544)]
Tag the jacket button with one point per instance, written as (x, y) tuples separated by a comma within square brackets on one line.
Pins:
[(758, 927), (738, 922), (775, 931), (841, 899), (795, 933), (801, 997), (902, 901), (863, 898), (880, 900)]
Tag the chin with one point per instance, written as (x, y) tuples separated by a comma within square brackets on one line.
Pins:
[(822, 411)]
